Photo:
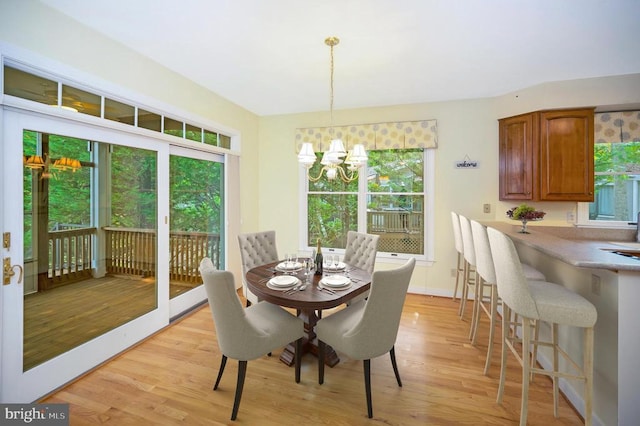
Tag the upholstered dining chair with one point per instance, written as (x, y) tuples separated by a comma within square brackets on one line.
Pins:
[(368, 328), (540, 301), (361, 251), (256, 249), (487, 278), (457, 240), (246, 334)]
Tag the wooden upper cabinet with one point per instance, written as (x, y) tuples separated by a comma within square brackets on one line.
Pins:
[(547, 156)]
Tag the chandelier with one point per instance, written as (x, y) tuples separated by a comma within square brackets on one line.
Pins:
[(38, 164), (336, 159)]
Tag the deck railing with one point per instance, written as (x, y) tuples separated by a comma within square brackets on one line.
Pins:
[(400, 231), (133, 252), (70, 256)]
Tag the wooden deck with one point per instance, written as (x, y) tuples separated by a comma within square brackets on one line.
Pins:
[(64, 317)]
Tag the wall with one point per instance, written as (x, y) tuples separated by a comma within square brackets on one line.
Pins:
[(465, 128)]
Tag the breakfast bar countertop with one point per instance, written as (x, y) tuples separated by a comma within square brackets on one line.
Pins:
[(569, 245)]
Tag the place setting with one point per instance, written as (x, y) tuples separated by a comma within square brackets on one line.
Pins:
[(290, 265)]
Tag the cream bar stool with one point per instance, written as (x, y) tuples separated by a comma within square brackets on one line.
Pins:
[(487, 278), (540, 301), (457, 239), (470, 274)]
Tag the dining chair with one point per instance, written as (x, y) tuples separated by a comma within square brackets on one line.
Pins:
[(540, 301), (368, 328), (256, 249), (487, 278), (246, 333), (457, 240), (361, 251)]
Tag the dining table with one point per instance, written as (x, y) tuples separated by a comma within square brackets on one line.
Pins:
[(310, 302)]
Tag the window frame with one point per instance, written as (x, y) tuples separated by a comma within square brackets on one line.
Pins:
[(425, 259)]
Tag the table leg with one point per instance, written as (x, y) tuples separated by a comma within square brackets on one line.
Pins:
[(310, 343)]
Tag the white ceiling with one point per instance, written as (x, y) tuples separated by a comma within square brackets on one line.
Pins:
[(269, 56)]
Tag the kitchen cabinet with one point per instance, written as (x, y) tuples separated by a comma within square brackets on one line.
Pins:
[(547, 156)]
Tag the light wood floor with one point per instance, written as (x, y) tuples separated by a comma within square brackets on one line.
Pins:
[(168, 379)]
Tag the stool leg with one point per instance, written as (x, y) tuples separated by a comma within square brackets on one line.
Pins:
[(526, 343), (554, 342), (506, 319), (588, 375), (492, 320), (534, 351), (458, 270), (465, 289), (475, 313)]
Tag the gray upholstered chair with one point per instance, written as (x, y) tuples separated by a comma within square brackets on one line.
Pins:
[(361, 251), (487, 278), (246, 334), (368, 328), (540, 301), (457, 240), (256, 249)]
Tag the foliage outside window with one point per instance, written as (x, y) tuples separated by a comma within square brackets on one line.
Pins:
[(389, 201), (617, 169)]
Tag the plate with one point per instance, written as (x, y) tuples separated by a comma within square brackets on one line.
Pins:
[(339, 267), (289, 266), (336, 281), (283, 281)]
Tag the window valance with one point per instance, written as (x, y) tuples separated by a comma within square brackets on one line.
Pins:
[(378, 136), (622, 126)]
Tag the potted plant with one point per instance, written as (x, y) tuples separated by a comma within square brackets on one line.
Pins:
[(525, 213)]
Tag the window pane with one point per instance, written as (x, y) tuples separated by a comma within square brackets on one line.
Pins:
[(210, 138), (81, 101), (149, 120), (398, 219), (173, 127), (330, 217), (117, 111), (398, 170), (194, 133), (617, 177), (28, 86), (225, 141)]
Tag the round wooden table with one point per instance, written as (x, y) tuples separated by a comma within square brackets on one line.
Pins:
[(308, 303)]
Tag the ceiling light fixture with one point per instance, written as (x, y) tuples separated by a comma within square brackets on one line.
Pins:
[(332, 161)]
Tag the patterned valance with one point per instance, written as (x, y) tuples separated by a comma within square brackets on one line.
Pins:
[(622, 126), (379, 136)]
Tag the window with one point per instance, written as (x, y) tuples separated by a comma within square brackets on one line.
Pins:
[(617, 170), (390, 198)]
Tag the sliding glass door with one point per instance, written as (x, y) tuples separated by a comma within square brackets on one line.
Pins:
[(85, 228), (196, 205)]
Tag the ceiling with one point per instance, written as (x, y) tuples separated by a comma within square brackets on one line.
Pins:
[(269, 56)]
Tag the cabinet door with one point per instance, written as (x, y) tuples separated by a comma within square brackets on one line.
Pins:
[(518, 164), (566, 155)]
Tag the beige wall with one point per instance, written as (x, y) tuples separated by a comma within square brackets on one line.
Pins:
[(465, 128)]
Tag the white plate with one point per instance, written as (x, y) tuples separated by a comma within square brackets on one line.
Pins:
[(283, 281), (289, 266), (336, 281), (339, 267)]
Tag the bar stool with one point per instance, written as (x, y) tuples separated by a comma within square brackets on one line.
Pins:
[(540, 301), (457, 239), (470, 274), (487, 278)]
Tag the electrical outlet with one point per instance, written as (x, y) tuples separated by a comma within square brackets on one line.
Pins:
[(595, 284), (486, 208), (570, 217)]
